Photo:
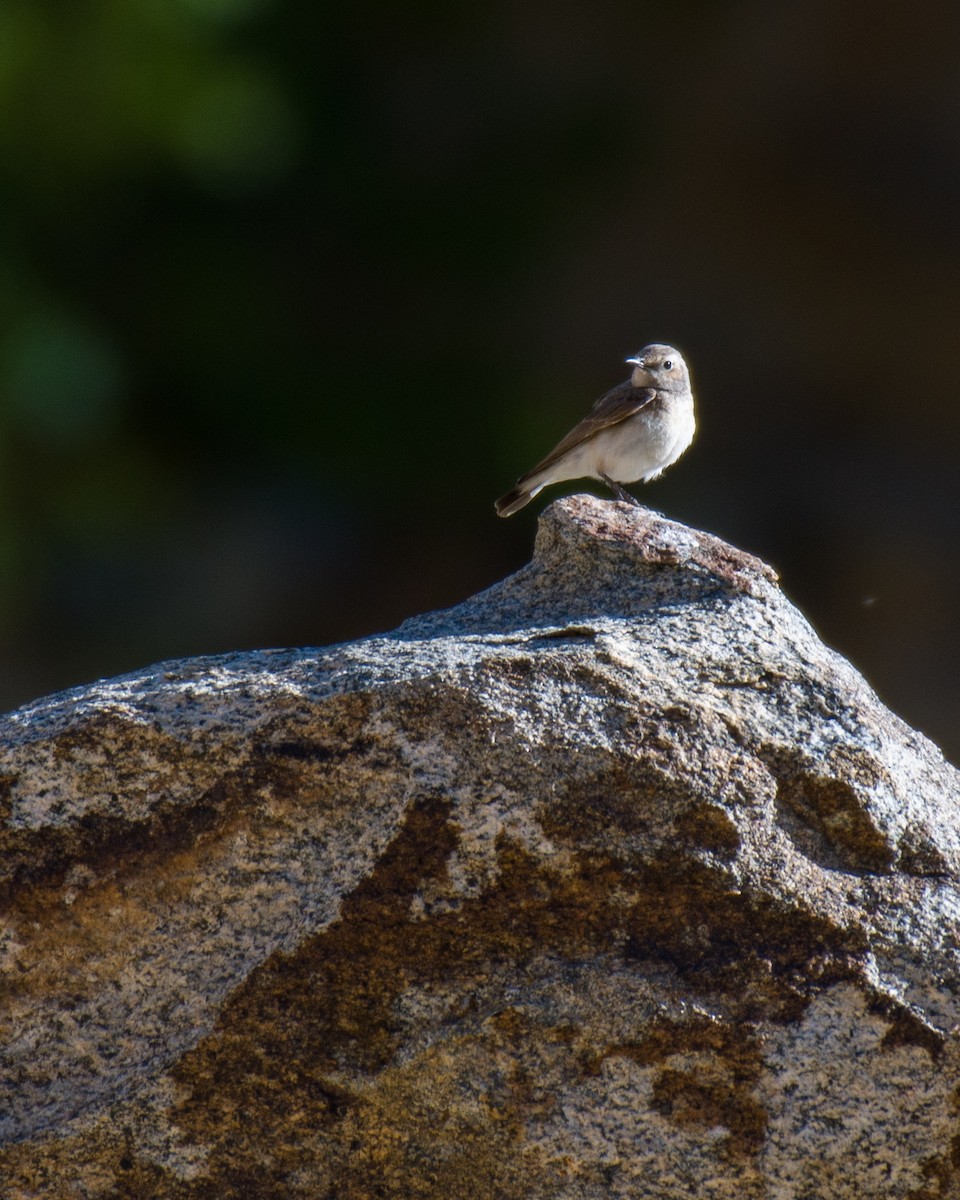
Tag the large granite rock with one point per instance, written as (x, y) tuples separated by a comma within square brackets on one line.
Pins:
[(611, 882)]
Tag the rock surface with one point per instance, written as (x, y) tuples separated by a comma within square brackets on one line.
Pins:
[(612, 881)]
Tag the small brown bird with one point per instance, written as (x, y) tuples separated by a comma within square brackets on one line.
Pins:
[(633, 432)]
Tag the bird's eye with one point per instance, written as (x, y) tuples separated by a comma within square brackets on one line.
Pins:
[(667, 364)]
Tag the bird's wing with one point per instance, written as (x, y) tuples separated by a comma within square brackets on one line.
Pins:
[(618, 404)]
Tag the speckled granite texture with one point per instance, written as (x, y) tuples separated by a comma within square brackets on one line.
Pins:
[(611, 882)]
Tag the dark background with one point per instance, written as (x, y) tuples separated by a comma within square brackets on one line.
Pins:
[(290, 292)]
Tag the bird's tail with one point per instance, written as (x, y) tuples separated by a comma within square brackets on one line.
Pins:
[(513, 501)]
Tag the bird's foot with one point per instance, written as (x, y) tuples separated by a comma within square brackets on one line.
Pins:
[(621, 493)]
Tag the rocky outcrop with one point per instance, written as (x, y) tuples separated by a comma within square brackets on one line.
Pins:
[(612, 881)]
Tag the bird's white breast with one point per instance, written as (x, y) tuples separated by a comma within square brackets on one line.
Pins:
[(645, 444)]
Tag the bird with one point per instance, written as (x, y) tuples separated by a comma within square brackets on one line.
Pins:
[(634, 431)]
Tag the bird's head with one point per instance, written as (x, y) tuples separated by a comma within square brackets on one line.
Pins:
[(660, 366)]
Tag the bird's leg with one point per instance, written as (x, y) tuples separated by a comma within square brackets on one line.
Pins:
[(620, 492)]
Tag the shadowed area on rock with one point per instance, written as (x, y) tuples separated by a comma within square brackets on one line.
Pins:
[(611, 881)]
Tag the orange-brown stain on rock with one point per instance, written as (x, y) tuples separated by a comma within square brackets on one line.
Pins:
[(98, 1163), (829, 803), (262, 1078), (756, 952), (709, 1095), (717, 1091)]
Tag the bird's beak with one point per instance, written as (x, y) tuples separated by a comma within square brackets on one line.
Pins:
[(637, 362)]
